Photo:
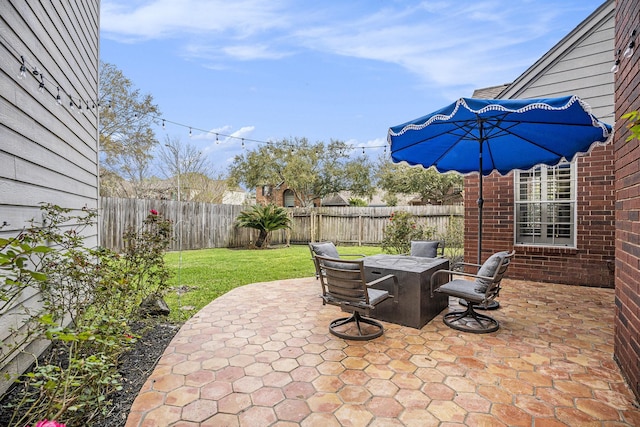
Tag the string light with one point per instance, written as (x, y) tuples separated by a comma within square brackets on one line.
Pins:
[(23, 70), (628, 52), (76, 103), (41, 85)]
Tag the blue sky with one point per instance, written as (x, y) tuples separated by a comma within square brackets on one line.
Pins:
[(333, 69)]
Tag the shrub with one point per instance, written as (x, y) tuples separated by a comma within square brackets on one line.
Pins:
[(401, 230), (265, 219), (89, 297), (454, 240)]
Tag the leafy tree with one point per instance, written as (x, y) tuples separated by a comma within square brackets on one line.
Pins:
[(311, 171), (354, 201), (432, 187), (265, 218), (190, 171), (126, 137), (633, 125)]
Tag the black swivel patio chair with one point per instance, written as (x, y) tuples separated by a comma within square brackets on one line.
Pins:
[(477, 293), (344, 285), (327, 249)]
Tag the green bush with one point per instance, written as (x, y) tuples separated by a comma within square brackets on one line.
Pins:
[(264, 218), (401, 230), (89, 300)]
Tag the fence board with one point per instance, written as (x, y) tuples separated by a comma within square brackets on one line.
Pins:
[(205, 225)]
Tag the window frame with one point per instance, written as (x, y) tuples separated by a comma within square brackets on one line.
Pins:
[(548, 222)]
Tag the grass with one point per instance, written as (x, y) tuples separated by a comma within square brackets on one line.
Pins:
[(206, 274)]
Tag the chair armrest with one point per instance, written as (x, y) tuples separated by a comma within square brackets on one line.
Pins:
[(439, 273), (358, 255), (396, 285), (470, 264)]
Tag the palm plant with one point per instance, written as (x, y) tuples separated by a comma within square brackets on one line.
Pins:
[(265, 218)]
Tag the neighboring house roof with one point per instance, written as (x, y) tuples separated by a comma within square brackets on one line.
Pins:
[(342, 199), (335, 200), (490, 92)]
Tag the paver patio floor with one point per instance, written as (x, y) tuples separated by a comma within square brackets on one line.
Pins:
[(262, 355)]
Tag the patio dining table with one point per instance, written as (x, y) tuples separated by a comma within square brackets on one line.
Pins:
[(415, 307)]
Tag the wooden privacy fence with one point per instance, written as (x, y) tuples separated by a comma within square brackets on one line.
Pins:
[(205, 225)]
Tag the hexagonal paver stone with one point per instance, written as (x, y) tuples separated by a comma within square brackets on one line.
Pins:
[(199, 410), (292, 410)]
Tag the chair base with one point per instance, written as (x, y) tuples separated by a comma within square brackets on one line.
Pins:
[(470, 321), (493, 305), (357, 319)]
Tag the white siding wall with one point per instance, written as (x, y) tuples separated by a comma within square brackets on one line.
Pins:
[(580, 64), (48, 153)]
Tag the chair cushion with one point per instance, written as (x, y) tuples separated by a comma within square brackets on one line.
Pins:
[(488, 269), (342, 265), (424, 248), (461, 288), (325, 249), (377, 295)]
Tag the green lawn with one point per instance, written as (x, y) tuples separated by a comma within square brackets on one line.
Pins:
[(208, 273)]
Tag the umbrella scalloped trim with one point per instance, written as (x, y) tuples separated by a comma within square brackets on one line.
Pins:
[(497, 107)]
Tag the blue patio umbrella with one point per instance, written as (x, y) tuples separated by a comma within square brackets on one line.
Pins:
[(486, 135)]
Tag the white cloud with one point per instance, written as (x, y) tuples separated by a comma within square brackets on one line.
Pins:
[(173, 18), (443, 43)]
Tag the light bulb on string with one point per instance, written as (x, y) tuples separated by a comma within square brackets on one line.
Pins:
[(41, 84), (616, 66), (163, 125), (58, 98), (190, 133), (243, 143), (80, 110), (217, 139), (362, 150), (23, 69), (628, 52), (71, 103)]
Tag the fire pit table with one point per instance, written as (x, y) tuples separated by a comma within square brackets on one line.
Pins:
[(415, 307)]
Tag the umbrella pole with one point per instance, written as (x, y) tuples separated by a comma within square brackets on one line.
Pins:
[(480, 199)]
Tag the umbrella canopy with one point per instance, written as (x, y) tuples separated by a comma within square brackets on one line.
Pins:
[(486, 135)]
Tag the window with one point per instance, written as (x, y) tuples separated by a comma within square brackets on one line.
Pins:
[(545, 208), (289, 199), (266, 190)]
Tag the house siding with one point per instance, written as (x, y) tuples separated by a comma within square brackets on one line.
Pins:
[(578, 65), (627, 162), (48, 153)]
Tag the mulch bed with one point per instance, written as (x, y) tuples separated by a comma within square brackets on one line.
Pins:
[(136, 366)]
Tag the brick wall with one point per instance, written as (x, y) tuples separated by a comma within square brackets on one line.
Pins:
[(591, 263), (275, 195), (627, 162)]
